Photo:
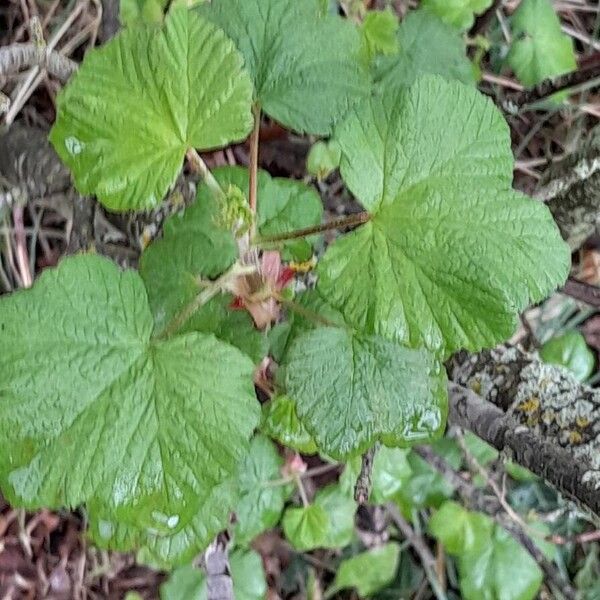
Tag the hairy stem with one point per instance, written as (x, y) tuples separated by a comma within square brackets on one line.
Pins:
[(199, 166), (303, 311), (342, 222), (254, 139), (302, 490), (308, 473), (208, 293)]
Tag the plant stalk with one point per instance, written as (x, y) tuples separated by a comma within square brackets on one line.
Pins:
[(254, 140), (208, 293), (304, 312), (342, 222)]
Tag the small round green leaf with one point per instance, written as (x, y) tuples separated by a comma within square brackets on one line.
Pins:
[(304, 527), (460, 530), (570, 350), (503, 570), (353, 390), (460, 13), (340, 509), (138, 103), (323, 158), (540, 49), (379, 29), (248, 575), (368, 572)]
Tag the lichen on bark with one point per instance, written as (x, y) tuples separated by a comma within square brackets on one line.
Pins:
[(537, 411)]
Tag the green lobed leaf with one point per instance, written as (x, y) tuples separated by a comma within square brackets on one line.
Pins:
[(260, 504), (94, 410), (503, 570), (460, 13), (460, 530), (451, 253), (283, 206), (390, 470), (304, 63), (444, 53), (326, 523), (138, 103), (193, 250), (571, 351), (352, 390), (368, 572), (280, 421), (540, 49)]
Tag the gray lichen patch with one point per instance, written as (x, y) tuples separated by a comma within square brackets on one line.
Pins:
[(544, 399)]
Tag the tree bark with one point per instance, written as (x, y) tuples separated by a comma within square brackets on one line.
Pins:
[(571, 189)]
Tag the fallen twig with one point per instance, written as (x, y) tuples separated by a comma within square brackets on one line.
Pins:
[(421, 548)]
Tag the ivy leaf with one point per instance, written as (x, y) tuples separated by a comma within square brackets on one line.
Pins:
[(281, 422), (368, 572), (571, 351), (303, 62), (460, 13), (327, 523), (503, 570), (283, 205), (460, 530), (303, 527), (193, 250), (260, 505), (540, 49), (390, 469), (353, 390), (451, 253), (128, 116), (95, 410), (444, 53)]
